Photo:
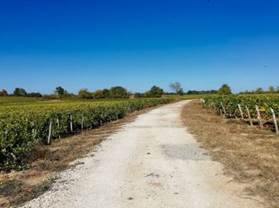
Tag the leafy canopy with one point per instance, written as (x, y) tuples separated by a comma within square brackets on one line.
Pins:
[(225, 90)]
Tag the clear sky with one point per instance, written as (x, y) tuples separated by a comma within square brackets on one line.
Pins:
[(137, 43)]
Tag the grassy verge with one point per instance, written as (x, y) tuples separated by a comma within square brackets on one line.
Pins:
[(248, 154)]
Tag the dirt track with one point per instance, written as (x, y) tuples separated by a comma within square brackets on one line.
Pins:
[(151, 162)]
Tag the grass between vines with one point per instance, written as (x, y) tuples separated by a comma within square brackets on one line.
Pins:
[(248, 154), (17, 187)]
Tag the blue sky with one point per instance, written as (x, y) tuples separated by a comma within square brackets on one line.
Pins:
[(138, 43)]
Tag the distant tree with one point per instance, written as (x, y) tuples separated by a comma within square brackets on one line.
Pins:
[(34, 94), (198, 92), (277, 89), (19, 92), (106, 93), (271, 89), (176, 87), (84, 93), (259, 90), (118, 92), (155, 91), (60, 91), (98, 94), (225, 90), (4, 92), (138, 95), (245, 92)]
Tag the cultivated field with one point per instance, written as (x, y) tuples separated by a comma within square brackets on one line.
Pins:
[(26, 122), (261, 110), (250, 155), (40, 137)]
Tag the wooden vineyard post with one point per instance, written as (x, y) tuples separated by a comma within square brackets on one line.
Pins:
[(33, 133), (6, 135), (240, 110), (203, 102), (71, 123), (221, 112), (58, 127), (249, 116), (224, 110), (49, 133), (213, 106), (274, 121), (58, 123), (259, 117), (82, 123)]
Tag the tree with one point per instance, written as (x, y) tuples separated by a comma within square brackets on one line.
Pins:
[(4, 92), (271, 89), (19, 92), (155, 91), (60, 91), (259, 90), (118, 92), (176, 86), (34, 94), (84, 93), (98, 94), (106, 93), (200, 92), (138, 95), (225, 90)]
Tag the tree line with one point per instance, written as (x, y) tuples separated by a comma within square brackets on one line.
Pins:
[(260, 90), (113, 92), (121, 92), (225, 89), (20, 92)]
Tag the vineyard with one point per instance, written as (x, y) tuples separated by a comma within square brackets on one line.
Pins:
[(262, 110), (22, 126)]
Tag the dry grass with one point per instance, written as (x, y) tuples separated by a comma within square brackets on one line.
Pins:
[(248, 154), (17, 187)]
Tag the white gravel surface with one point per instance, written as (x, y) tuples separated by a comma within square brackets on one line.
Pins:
[(149, 163)]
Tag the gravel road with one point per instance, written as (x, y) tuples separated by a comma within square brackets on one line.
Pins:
[(149, 163)]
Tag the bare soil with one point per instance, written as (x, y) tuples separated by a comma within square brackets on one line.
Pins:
[(249, 154)]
